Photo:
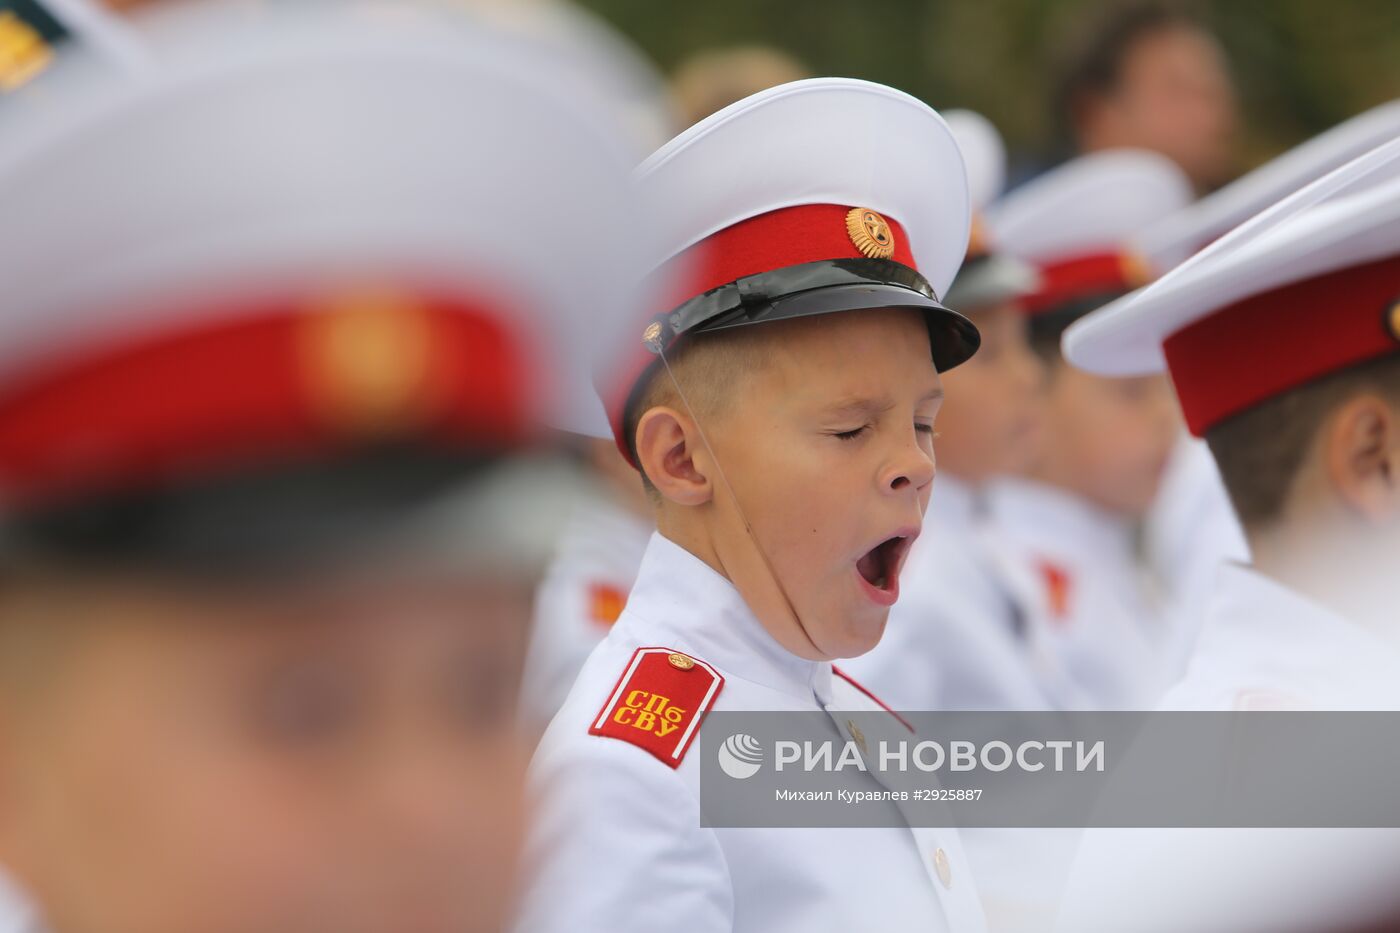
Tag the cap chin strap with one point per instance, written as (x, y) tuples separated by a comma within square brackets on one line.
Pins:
[(659, 349)]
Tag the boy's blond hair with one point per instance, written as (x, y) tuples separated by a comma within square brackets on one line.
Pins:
[(710, 368)]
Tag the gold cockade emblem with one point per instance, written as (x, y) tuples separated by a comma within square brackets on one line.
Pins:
[(870, 233)]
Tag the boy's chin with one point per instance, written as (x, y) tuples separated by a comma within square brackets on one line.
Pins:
[(856, 634)]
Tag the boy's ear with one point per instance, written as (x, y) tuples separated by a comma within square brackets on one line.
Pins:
[(1361, 455), (667, 443)]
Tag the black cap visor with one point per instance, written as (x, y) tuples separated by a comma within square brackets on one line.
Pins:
[(826, 287), (273, 519)]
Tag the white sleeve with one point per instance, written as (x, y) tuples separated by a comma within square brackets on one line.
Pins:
[(616, 845)]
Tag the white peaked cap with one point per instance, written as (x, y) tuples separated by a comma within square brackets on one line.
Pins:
[(1094, 203), (633, 81), (823, 195), (984, 154), (1308, 287), (987, 277), (1174, 237), (818, 141), (294, 144)]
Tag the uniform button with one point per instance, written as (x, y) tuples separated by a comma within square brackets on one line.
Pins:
[(940, 865), (856, 734), (681, 662)]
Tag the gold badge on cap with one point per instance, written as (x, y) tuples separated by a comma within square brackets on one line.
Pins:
[(977, 238), (23, 52), (870, 233), (365, 355), (1136, 268)]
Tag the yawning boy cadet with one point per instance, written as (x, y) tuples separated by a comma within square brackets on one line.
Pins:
[(781, 412)]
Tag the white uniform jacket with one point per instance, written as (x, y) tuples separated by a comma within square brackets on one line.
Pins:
[(1096, 608), (617, 844), (1261, 647), (1189, 532)]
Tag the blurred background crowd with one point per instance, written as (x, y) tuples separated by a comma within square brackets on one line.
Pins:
[(1261, 76)]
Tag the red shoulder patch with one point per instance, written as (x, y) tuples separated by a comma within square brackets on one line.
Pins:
[(862, 688), (605, 603), (659, 701), (1058, 586)]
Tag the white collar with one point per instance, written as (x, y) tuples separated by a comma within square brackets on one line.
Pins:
[(681, 602)]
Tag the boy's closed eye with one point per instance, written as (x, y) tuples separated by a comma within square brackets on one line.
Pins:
[(855, 433)]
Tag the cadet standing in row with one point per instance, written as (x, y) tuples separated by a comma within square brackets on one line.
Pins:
[(1071, 518), (1307, 437), (782, 416), (263, 395)]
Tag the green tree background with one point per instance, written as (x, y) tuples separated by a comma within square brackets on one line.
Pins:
[(1300, 65)]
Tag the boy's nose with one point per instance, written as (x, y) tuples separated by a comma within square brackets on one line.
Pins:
[(912, 468)]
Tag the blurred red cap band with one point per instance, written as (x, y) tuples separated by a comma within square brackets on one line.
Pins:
[(1081, 277), (291, 378), (1269, 343)]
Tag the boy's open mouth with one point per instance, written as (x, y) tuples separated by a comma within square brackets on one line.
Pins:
[(881, 564)]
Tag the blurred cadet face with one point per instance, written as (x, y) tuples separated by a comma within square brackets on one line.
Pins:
[(1175, 97), (1107, 440), (990, 420), (337, 759), (712, 79), (830, 450)]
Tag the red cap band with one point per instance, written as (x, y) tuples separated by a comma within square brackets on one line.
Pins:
[(280, 379), (1069, 280), (777, 239), (1269, 343)]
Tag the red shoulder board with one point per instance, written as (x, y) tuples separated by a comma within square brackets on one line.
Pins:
[(1058, 584), (862, 688), (659, 701), (605, 603)]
